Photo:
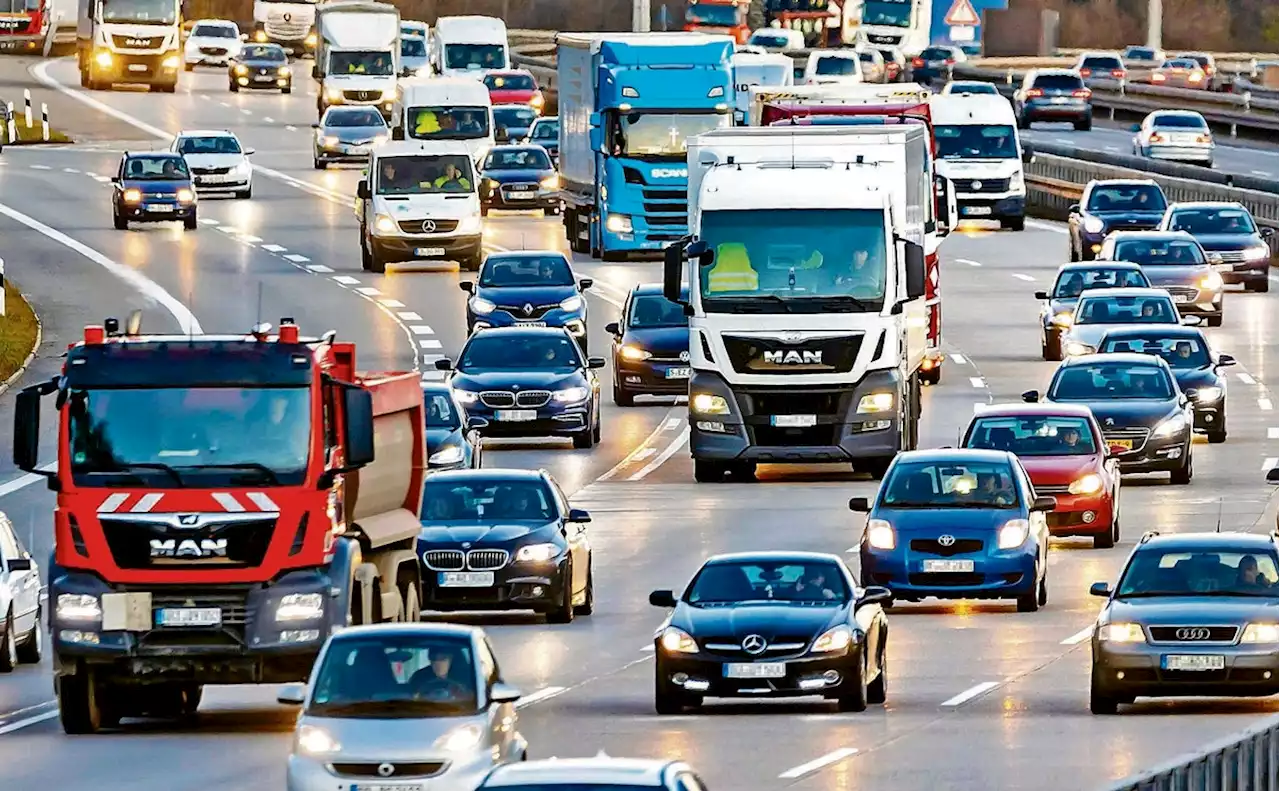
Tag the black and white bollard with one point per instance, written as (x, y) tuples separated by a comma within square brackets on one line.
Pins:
[(44, 122), (3, 293), (26, 99), (12, 124)]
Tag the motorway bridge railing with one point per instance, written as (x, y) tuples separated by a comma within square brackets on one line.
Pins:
[(1246, 762)]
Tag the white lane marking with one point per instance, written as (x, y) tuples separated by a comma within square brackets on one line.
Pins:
[(958, 359), (648, 648), (346, 280), (662, 457), (542, 694), (370, 291), (269, 120), (297, 259), (968, 261), (101, 179), (70, 170), (1027, 278), (28, 722), (113, 502), (1273, 433), (208, 221), (145, 504), (1045, 226), (671, 423), (228, 230), (1264, 404), (1269, 463), (971, 693), (23, 481), (818, 763), (392, 303), (228, 502), (976, 381), (274, 248), (422, 329), (224, 104), (631, 457), (1260, 173), (41, 167), (319, 269), (430, 344), (1246, 378), (1079, 637), (247, 112), (249, 238), (409, 315), (645, 453)]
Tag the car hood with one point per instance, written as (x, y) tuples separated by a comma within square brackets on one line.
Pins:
[(354, 134), (213, 160), (959, 522), (512, 176), (1130, 220), (437, 206), (512, 380), (1176, 275), (1130, 412), (770, 621), (1058, 470), (1196, 377), (549, 145), (156, 187), (962, 170), (511, 96), (1229, 241), (526, 295), (476, 534), (231, 45), (438, 437), (1063, 305), (398, 740), (1194, 610), (269, 65), (659, 341)]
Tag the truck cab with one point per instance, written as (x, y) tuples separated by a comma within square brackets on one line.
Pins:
[(771, 70), (724, 17), (980, 152), (444, 108), (469, 46), (357, 55), (131, 43), (289, 23)]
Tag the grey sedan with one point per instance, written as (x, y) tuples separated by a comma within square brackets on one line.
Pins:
[(347, 134)]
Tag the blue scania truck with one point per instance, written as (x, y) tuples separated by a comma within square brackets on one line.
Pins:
[(628, 104)]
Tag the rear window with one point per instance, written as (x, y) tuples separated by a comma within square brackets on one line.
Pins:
[(1102, 62), (1126, 310), (1203, 60), (1140, 53), (935, 53), (509, 82), (1175, 252), (1179, 121), (1181, 63), (834, 66), (1058, 82)]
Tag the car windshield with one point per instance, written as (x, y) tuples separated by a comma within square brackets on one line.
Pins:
[(1110, 380), (1102, 62), (1033, 435), (1227, 220), (420, 175), (156, 169), (1058, 82), (349, 117), (269, 54), (1179, 121), (440, 411), (526, 271), (662, 135), (475, 56), (977, 142), (448, 123), (1137, 197), (520, 352), (1181, 353), (215, 31), (769, 40), (220, 144), (1158, 252), (532, 158), (514, 117), (190, 436), (713, 14), (1126, 310), (655, 310), (950, 484), (1199, 572), (395, 676), (139, 12), (835, 66), (546, 130), (971, 87), (1073, 281), (783, 580), (891, 13), (479, 500), (509, 82), (350, 62), (413, 47)]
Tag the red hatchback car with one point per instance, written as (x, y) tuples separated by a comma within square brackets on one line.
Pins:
[(514, 87), (1062, 448)]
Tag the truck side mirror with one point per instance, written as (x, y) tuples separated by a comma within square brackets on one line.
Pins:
[(596, 138), (915, 274), (362, 189), (673, 271), (315, 72), (26, 428), (1028, 157), (397, 133), (358, 439)]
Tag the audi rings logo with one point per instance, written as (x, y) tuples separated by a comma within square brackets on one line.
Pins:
[(1190, 634), (946, 541), (754, 644), (386, 770), (428, 226), (684, 357)]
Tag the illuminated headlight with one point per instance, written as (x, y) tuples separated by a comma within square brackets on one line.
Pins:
[(1094, 225), (1257, 253), (469, 225), (538, 100), (1212, 281), (186, 196), (78, 607), (283, 71), (571, 303), (315, 741), (880, 534), (1171, 427), (460, 739), (384, 224), (260, 36), (333, 92), (709, 404), (1209, 394), (379, 140), (1077, 349), (537, 553), (1261, 633), (634, 353), (1089, 484), (618, 223), (836, 639), (876, 402), (171, 62), (449, 455), (678, 641), (482, 306), (103, 59), (1122, 633), (572, 395), (310, 40), (466, 396), (300, 607), (132, 196), (241, 71), (1015, 181), (1063, 319), (550, 183), (1013, 534), (330, 141)]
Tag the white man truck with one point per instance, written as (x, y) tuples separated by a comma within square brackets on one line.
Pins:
[(129, 42), (806, 273), (357, 54), (289, 23)]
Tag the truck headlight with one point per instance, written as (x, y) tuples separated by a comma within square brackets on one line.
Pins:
[(571, 303), (315, 741), (300, 607), (171, 62), (880, 534), (635, 353), (469, 225), (103, 59), (572, 395), (678, 641), (384, 224), (1212, 281), (482, 306), (1013, 534), (1208, 395), (449, 455), (835, 639), (618, 223), (260, 36), (1088, 484), (310, 40), (333, 93), (1257, 253), (1015, 181), (709, 404), (875, 402), (1122, 633), (186, 196), (1094, 225), (1171, 427), (537, 553), (1261, 633), (78, 607)]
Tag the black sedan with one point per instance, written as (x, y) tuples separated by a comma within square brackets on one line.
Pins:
[(529, 382), (772, 624), (1057, 307), (347, 134), (1112, 205), (1196, 367), (153, 187), (1236, 247), (650, 346), (512, 121), (453, 439), (519, 177), (503, 540), (260, 66), (528, 289), (1146, 420)]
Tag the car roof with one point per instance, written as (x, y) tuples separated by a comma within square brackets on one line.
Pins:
[(953, 454), (520, 331), (1100, 263), (206, 133), (512, 106), (516, 147), (1208, 204), (602, 771), (1054, 72), (488, 474), (438, 628), (1153, 235), (1044, 408), (1169, 330), (1122, 183), (159, 154), (509, 73), (1131, 358), (509, 254), (1231, 538), (772, 555), (655, 288), (1127, 291), (216, 22)]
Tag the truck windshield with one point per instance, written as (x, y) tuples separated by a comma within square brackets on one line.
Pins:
[(835, 66), (421, 175), (713, 14), (475, 56), (976, 142), (140, 12), (662, 135), (196, 436), (448, 123), (374, 64), (894, 13), (794, 260), (413, 47)]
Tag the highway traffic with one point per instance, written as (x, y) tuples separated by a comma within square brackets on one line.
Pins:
[(1231, 157), (978, 695)]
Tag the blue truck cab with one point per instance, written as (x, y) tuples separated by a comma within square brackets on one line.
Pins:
[(628, 104)]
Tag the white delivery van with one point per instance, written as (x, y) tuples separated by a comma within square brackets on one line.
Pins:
[(469, 46), (444, 108), (750, 70), (979, 150), (832, 66)]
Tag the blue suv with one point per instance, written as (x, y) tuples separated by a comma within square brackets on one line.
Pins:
[(528, 289)]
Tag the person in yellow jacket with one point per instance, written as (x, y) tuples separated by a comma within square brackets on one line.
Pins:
[(452, 180), (732, 270), (427, 123)]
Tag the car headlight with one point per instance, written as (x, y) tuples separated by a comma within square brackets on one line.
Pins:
[(1257, 253), (1171, 427), (880, 534), (242, 71), (186, 196), (466, 396), (876, 402), (837, 638), (1078, 349), (468, 225), (1013, 534), (333, 93), (1261, 633), (572, 395), (384, 224), (1212, 281), (537, 553), (618, 223), (1209, 394), (1015, 181), (330, 141), (132, 196), (482, 306), (103, 59), (78, 607), (550, 183), (283, 71), (316, 741), (449, 455), (310, 41), (1063, 319), (378, 140), (1088, 484), (709, 404), (1094, 225), (1122, 633), (261, 37), (678, 641), (571, 303), (460, 739), (538, 100), (634, 353), (300, 607)]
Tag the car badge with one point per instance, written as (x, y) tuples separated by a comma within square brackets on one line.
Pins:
[(466, 545), (188, 520), (684, 357), (428, 226), (754, 644), (792, 337), (977, 185), (1192, 634), (528, 309), (386, 770), (1111, 421), (946, 541)]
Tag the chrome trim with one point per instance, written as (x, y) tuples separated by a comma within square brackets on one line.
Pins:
[(487, 559), (1235, 636), (444, 559)]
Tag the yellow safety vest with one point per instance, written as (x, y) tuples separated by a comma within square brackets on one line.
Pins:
[(732, 271), (443, 180)]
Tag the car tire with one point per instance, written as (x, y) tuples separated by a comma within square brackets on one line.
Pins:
[(1074, 256), (1182, 475), (857, 701), (1261, 287), (583, 440), (709, 471), (1100, 700), (190, 223), (563, 612), (1214, 321), (245, 194), (595, 432), (1084, 125), (1030, 602), (484, 210), (1016, 223), (374, 262), (286, 90), (1023, 121), (31, 649), (9, 645), (1042, 593), (878, 690), (1217, 437), (742, 472), (876, 468), (931, 376), (1051, 348), (319, 164), (188, 67), (120, 223), (1106, 540), (233, 87), (664, 701), (588, 605), (622, 397)]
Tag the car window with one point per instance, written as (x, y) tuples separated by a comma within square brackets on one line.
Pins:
[(395, 676), (221, 144), (526, 271), (1102, 62), (1190, 572), (996, 141), (486, 500), (546, 130), (509, 82), (1033, 435), (447, 123), (420, 175), (1072, 282), (509, 352), (441, 412), (1126, 310), (935, 53), (1224, 220), (1180, 353), (215, 31), (769, 39), (353, 118), (156, 169), (1157, 252), (950, 484), (785, 580), (1058, 82), (514, 117), (835, 66), (488, 664), (1181, 63), (533, 158), (413, 47), (263, 53), (1178, 121), (1127, 197), (971, 87), (655, 310), (1106, 380)]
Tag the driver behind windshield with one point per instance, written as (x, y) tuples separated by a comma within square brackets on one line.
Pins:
[(440, 681)]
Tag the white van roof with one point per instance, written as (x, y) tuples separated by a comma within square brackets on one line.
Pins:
[(444, 92), (969, 109), (434, 148)]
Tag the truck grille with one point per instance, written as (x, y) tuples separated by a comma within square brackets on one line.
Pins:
[(536, 312), (759, 404), (960, 547), (138, 42), (398, 770), (771, 356), (487, 559), (286, 31), (419, 226), (362, 96), (130, 543), (1193, 634), (982, 185), (444, 559)]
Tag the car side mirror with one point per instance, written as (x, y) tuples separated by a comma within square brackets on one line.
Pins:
[(1189, 394), (444, 364), (504, 693), (1136, 128), (362, 189), (20, 564), (292, 694), (613, 329), (860, 505), (662, 599), (244, 36), (1267, 233), (1273, 475), (467, 286), (1100, 589), (250, 151), (476, 423), (875, 594), (1031, 396), (586, 283), (315, 126), (1042, 295), (315, 72), (595, 362), (1044, 504), (1028, 157), (1073, 208), (397, 133), (578, 515), (115, 180), (1225, 360)]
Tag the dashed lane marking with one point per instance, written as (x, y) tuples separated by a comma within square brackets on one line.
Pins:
[(346, 280), (41, 167), (969, 694), (291, 128), (977, 381), (409, 315), (370, 291), (1268, 464), (958, 359), (667, 452), (1027, 278), (1273, 433), (835, 756), (422, 329), (208, 221), (430, 344), (70, 170), (250, 239), (274, 248), (1246, 378), (1079, 637), (297, 259), (1264, 404), (392, 303)]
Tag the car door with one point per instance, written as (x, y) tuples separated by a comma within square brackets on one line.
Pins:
[(23, 584), (502, 717)]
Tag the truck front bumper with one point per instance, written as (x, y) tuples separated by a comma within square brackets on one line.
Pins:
[(136, 69), (794, 424), (982, 207)]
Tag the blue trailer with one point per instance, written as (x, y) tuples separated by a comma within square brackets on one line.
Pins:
[(628, 103)]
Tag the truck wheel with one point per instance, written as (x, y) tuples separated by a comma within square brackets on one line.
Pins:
[(876, 468), (743, 472), (84, 704), (412, 604)]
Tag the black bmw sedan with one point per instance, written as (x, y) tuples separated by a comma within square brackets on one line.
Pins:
[(519, 177), (453, 439), (529, 382), (528, 289), (650, 346), (772, 624), (504, 540)]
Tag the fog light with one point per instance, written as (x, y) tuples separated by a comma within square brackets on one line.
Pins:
[(299, 635), (812, 683), (633, 380), (538, 590), (71, 636), (1119, 674), (1208, 417), (831, 677), (1097, 248), (243, 80), (1265, 674), (1089, 516), (680, 678), (707, 425)]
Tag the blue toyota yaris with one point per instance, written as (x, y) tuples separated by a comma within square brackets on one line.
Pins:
[(957, 524)]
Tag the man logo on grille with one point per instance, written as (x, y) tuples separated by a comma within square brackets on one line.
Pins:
[(946, 541), (188, 520), (1192, 634), (754, 644), (428, 226)]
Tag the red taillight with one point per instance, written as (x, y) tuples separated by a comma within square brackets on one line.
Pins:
[(1156, 137), (1034, 92), (1086, 72), (1204, 139), (951, 61), (1157, 77), (1083, 93), (917, 62), (1117, 73)]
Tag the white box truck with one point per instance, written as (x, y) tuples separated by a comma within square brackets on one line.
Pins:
[(469, 46), (444, 108), (129, 42), (357, 54)]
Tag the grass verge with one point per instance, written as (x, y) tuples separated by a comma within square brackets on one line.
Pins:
[(30, 135), (18, 332)]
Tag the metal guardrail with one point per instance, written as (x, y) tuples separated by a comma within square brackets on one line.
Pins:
[(1245, 762)]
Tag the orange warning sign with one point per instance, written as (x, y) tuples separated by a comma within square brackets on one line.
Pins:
[(962, 14)]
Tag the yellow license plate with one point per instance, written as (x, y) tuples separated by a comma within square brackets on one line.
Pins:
[(1120, 444)]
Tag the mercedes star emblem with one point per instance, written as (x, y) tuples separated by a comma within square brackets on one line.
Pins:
[(1192, 634), (946, 541), (977, 185), (528, 309), (754, 644), (386, 770), (428, 226), (684, 357)]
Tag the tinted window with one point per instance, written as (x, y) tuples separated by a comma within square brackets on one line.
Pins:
[(1034, 435), (971, 87), (514, 117), (1140, 53), (367, 63), (1073, 281), (215, 31), (447, 123), (654, 310), (546, 270), (1126, 310), (413, 48), (1180, 353), (1175, 252), (722, 583), (1189, 572), (976, 142), (1225, 220), (1058, 82), (1202, 61), (263, 53), (510, 82), (440, 411), (511, 352), (473, 500), (156, 168), (396, 676), (351, 118), (1181, 63), (474, 56), (419, 175), (950, 484), (1135, 197), (935, 53), (518, 159), (769, 40), (546, 130), (1179, 121), (1102, 62), (1106, 380), (209, 145)]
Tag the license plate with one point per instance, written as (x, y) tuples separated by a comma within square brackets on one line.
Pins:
[(159, 207), (795, 421), (1181, 298), (976, 211), (358, 149), (947, 566), (1120, 444), (189, 616), (520, 195), (465, 579), (1222, 267), (428, 252), (1193, 662), (516, 415), (1059, 100), (137, 67), (385, 787), (755, 670), (679, 373), (531, 324)]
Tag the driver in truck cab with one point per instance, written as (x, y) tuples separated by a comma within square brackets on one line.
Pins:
[(732, 270)]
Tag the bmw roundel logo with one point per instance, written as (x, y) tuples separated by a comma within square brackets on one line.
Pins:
[(946, 541), (428, 226), (684, 357)]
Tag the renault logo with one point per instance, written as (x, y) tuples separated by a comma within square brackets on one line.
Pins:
[(428, 226), (754, 644), (1200, 633), (946, 541), (684, 357), (386, 770), (528, 309)]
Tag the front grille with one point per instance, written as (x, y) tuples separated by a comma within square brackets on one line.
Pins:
[(130, 543), (487, 559), (760, 404), (1138, 436), (211, 171), (1189, 293), (416, 226), (137, 42), (285, 30), (212, 51), (960, 547), (1228, 256), (982, 185), (731, 647), (883, 38), (444, 559), (398, 770), (535, 311), (532, 399), (521, 187), (750, 355), (671, 221), (1194, 634), (1131, 225), (946, 579), (1052, 489), (498, 399), (362, 96)]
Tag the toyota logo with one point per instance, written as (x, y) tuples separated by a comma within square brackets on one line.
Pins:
[(977, 185), (1200, 633), (528, 309), (684, 357), (754, 644), (946, 541), (428, 226), (386, 770)]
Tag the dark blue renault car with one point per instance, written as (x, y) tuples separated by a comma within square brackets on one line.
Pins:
[(519, 177), (957, 524), (153, 187), (528, 289)]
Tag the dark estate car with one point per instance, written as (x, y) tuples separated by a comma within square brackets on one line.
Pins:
[(546, 133), (650, 346), (453, 439), (1112, 205), (260, 66), (519, 177), (1054, 95), (528, 289), (771, 624), (1236, 246), (934, 64), (504, 540), (1058, 306), (153, 187)]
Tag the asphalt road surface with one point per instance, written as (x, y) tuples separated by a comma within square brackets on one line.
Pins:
[(1238, 156)]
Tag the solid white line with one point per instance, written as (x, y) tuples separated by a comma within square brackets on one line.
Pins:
[(818, 763), (23, 481), (41, 167), (430, 344), (274, 248), (422, 329), (1269, 463), (976, 381), (971, 693), (1044, 226), (1079, 637), (1264, 404), (409, 315), (1027, 278), (667, 453), (208, 221), (1273, 433), (968, 261), (958, 359), (1246, 378), (648, 648), (542, 694), (28, 722), (297, 259), (392, 303), (370, 291), (646, 453), (346, 280)]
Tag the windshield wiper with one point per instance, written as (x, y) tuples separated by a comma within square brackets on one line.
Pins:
[(266, 471), (127, 469)]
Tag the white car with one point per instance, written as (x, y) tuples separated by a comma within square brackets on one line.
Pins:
[(213, 42), (969, 88), (1175, 135), (218, 163), (601, 772), (21, 640)]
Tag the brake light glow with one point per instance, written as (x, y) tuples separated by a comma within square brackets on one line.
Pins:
[(1194, 78), (1034, 92), (1086, 72), (1117, 73), (1157, 77), (1204, 139), (1156, 137), (917, 62), (951, 61), (1083, 93)]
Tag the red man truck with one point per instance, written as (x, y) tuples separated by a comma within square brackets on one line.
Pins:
[(223, 504)]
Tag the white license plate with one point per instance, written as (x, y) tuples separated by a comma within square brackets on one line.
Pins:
[(428, 252), (1059, 100), (358, 149), (756, 670), (1222, 267), (679, 373), (137, 67), (520, 195), (795, 421), (1193, 662), (159, 207), (465, 579), (516, 415), (386, 787), (948, 566), (1181, 298), (976, 211), (531, 324), (189, 616)]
